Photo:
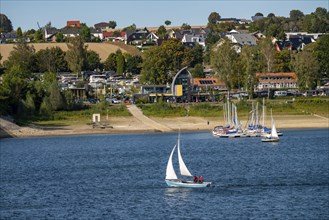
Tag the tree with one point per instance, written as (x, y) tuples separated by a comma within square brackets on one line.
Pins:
[(198, 71), (23, 56), (167, 22), (225, 59), (282, 61), (19, 32), (38, 36), (295, 15), (14, 88), (185, 26), (160, 62), (249, 63), (306, 67), (196, 55), (51, 60), (59, 37), (130, 28), (322, 54), (55, 97), (120, 60), (162, 31), (259, 14), (76, 54), (270, 15), (85, 33), (133, 64), (111, 62), (213, 18), (267, 50), (112, 24), (5, 24), (93, 61)]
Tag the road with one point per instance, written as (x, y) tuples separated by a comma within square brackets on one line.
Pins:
[(138, 114)]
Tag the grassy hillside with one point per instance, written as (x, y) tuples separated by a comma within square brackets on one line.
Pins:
[(103, 49)]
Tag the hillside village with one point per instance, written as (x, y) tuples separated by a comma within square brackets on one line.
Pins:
[(117, 88)]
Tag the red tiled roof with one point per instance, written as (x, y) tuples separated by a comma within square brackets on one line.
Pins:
[(111, 34), (73, 23), (281, 77)]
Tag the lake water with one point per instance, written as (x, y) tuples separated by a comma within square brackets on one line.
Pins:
[(122, 177)]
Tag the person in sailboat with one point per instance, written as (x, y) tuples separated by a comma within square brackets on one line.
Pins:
[(195, 179), (201, 179)]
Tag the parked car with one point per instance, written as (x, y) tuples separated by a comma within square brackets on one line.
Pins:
[(113, 100), (280, 93)]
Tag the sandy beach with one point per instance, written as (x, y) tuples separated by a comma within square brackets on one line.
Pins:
[(133, 124)]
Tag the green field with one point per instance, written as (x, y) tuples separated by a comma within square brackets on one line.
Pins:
[(298, 106)]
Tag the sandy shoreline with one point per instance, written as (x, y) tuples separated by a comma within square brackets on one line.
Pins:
[(121, 125)]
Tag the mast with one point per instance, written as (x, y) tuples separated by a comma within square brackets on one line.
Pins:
[(263, 116)]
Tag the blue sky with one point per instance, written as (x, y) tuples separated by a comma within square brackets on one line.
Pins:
[(26, 13)]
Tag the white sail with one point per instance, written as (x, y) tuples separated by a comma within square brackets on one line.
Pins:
[(170, 172), (182, 167), (274, 133)]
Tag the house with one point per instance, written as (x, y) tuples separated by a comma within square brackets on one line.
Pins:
[(12, 38), (96, 33), (50, 33), (135, 37), (228, 20), (258, 35), (282, 80), (190, 40), (294, 42), (70, 32), (73, 24), (102, 26), (152, 37), (114, 36), (240, 40)]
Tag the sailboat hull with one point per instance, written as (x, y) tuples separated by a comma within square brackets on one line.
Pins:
[(270, 140), (187, 184)]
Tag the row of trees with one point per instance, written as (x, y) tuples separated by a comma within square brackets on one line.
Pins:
[(316, 22), (275, 26)]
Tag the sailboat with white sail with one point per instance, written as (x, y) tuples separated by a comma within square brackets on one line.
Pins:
[(273, 136), (171, 178)]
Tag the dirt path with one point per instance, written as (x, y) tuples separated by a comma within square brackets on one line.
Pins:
[(137, 113)]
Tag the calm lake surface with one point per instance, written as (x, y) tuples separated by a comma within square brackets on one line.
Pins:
[(122, 177)]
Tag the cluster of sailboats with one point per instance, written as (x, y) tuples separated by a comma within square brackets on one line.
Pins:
[(255, 126)]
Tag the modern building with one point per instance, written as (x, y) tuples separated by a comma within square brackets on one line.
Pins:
[(183, 89)]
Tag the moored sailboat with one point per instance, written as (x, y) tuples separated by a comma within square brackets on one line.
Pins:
[(273, 136)]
